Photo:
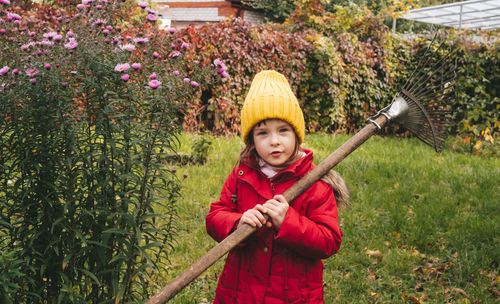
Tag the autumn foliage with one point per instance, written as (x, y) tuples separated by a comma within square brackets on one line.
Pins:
[(344, 66)]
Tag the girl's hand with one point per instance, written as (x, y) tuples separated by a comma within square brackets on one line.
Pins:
[(253, 217), (277, 208)]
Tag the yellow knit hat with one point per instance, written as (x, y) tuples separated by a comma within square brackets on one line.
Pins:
[(270, 96)]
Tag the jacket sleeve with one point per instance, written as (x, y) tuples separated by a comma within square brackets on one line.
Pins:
[(316, 234), (223, 216)]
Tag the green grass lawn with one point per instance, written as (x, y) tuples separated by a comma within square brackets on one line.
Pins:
[(421, 227)]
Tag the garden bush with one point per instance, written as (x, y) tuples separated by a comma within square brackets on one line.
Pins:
[(477, 105), (245, 49), (343, 65), (90, 101), (351, 72)]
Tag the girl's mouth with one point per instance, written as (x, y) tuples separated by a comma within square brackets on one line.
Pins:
[(276, 153)]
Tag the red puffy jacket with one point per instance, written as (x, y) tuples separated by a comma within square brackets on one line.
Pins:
[(275, 267)]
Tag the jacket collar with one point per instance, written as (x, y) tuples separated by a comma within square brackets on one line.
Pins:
[(259, 181)]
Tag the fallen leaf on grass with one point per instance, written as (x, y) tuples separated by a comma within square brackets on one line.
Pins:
[(373, 253), (414, 299), (460, 291), (417, 253), (495, 292), (371, 277)]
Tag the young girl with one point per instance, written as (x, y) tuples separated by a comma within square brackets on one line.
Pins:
[(281, 261)]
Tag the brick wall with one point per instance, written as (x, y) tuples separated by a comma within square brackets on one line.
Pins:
[(184, 12)]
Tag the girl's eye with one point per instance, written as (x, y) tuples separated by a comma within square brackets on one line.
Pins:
[(261, 133), (284, 130)]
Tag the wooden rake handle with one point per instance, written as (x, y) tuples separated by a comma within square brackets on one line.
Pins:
[(214, 254)]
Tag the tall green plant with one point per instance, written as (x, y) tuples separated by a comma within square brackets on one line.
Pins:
[(88, 108)]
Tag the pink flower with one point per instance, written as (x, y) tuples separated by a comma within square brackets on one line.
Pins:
[(80, 6), (109, 27), (142, 4), (57, 37), (151, 11), (69, 34), (26, 47), (31, 72), (185, 45), (224, 75), (99, 22), (152, 76), (49, 35), (31, 33), (151, 17), (13, 16), (33, 80), (98, 6), (187, 79), (4, 70), (136, 65), (122, 67), (47, 66), (141, 40), (105, 32), (2, 31), (15, 71), (125, 77), (154, 84), (64, 84), (217, 62), (195, 84), (6, 2), (156, 55), (171, 30), (46, 42), (176, 73), (175, 54), (71, 44), (128, 47)]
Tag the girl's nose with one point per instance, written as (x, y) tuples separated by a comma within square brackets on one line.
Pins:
[(274, 139)]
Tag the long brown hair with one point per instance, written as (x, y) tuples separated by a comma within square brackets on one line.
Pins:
[(250, 156)]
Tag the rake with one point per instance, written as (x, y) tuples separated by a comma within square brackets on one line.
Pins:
[(419, 106)]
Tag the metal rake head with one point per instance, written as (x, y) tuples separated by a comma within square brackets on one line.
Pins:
[(422, 104)]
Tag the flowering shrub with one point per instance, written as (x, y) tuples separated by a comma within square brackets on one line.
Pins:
[(89, 105), (245, 50)]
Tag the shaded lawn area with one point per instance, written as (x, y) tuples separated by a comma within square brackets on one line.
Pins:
[(421, 227)]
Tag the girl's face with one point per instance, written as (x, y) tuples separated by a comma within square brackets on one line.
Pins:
[(274, 141)]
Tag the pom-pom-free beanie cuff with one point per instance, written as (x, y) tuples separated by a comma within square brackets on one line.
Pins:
[(270, 96)]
